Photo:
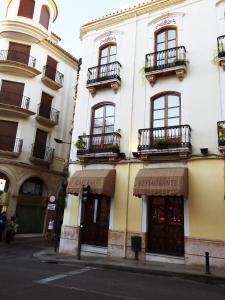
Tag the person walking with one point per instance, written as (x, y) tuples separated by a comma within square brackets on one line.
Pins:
[(51, 226), (9, 230), (2, 224)]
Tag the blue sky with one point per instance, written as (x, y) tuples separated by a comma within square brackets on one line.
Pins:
[(73, 14)]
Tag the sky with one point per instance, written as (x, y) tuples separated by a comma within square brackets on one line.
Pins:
[(73, 14)]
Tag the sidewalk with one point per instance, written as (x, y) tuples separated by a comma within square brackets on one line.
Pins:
[(151, 268)]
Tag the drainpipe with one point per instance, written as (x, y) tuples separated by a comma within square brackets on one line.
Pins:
[(130, 138)]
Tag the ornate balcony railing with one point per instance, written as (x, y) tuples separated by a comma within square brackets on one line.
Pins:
[(104, 73), (42, 152), (221, 46), (98, 143), (162, 138), (17, 56), (164, 59), (221, 133), (49, 113), (53, 74), (14, 99), (10, 144)]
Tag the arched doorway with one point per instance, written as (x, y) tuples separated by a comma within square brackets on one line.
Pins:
[(31, 206), (4, 196)]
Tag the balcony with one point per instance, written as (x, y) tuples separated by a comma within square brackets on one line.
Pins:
[(164, 141), (104, 76), (47, 116), (18, 64), (167, 62), (221, 136), (52, 78), (104, 147), (14, 105), (10, 146), (221, 51), (41, 154)]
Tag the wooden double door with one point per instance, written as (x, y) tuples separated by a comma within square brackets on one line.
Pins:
[(166, 225), (96, 221)]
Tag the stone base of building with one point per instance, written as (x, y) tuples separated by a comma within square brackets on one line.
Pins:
[(195, 252)]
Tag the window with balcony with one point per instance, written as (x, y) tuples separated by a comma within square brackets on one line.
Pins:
[(45, 16), (40, 151), (12, 93), (47, 115), (26, 8), (51, 76), (8, 140)]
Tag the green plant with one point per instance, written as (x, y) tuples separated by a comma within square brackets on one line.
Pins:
[(118, 132), (181, 61), (115, 148), (160, 143), (80, 143)]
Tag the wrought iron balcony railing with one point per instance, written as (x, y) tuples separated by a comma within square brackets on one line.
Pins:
[(53, 74), (42, 152), (17, 56), (10, 144), (221, 46), (98, 143), (164, 59), (104, 72), (221, 133), (49, 113), (162, 138), (14, 99)]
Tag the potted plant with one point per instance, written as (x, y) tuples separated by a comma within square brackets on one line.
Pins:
[(160, 143), (80, 143)]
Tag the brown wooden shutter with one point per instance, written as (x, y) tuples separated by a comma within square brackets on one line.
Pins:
[(51, 68), (8, 132), (45, 105), (44, 17), (40, 144), (19, 52), (26, 8), (11, 93)]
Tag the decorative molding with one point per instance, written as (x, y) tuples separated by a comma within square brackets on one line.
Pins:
[(166, 16), (107, 34)]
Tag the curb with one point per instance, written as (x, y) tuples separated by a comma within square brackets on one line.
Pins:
[(212, 279)]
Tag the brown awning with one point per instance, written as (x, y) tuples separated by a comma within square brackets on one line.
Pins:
[(100, 181), (161, 182)]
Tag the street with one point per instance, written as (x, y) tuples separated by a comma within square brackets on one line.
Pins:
[(24, 277)]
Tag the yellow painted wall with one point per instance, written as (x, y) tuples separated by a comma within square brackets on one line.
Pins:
[(206, 199)]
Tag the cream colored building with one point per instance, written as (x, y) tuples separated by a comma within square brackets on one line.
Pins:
[(150, 147), (37, 79)]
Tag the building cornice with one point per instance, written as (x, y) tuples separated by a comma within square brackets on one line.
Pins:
[(127, 14)]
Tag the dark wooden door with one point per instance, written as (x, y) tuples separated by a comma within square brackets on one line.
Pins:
[(166, 225), (8, 132), (40, 144), (96, 220), (45, 106), (19, 52), (11, 93), (51, 68)]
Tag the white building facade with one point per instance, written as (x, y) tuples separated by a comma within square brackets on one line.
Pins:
[(37, 79), (149, 144)]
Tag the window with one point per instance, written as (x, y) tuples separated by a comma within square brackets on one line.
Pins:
[(11, 93), (103, 119), (33, 187), (26, 8), (45, 106), (166, 110), (45, 16), (106, 57), (164, 40), (8, 131), (19, 53)]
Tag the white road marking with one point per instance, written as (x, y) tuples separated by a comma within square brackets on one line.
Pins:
[(60, 276), (93, 292)]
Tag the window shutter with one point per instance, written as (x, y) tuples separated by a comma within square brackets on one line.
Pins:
[(12, 92), (8, 132), (44, 17), (26, 8), (19, 52)]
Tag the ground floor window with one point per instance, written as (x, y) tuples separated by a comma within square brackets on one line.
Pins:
[(96, 221), (166, 225)]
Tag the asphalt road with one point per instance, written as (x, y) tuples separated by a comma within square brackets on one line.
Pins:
[(24, 277)]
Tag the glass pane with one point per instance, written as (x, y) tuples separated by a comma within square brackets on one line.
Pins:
[(97, 130), (103, 61), (104, 52), (159, 114), (158, 123), (171, 44), (173, 112), (109, 121), (161, 47), (171, 34), (99, 112), (109, 129), (161, 37), (98, 122), (159, 103), (112, 58), (112, 50), (174, 122), (173, 101), (110, 110)]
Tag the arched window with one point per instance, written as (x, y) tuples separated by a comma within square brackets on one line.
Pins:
[(33, 187), (166, 110), (166, 39), (45, 16), (107, 56), (26, 8)]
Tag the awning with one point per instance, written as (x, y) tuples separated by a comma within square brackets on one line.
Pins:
[(100, 181), (161, 182)]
